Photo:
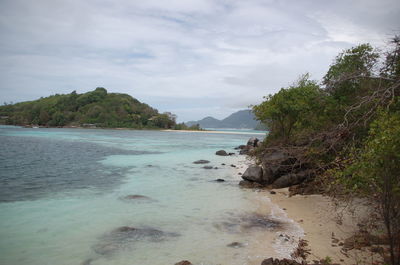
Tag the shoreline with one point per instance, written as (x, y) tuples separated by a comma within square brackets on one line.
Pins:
[(318, 216), (324, 231)]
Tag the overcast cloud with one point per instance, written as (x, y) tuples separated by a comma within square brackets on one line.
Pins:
[(192, 57)]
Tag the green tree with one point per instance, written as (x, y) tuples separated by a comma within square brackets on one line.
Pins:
[(375, 174), (345, 79), (291, 108)]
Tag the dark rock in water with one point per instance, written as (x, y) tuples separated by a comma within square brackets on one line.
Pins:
[(183, 262), (136, 197), (233, 165), (272, 192), (221, 153), (201, 161), (231, 154), (125, 236), (252, 141), (215, 167), (261, 221), (242, 223), (254, 173), (223, 164), (235, 245), (219, 180), (87, 262), (208, 167), (291, 179), (240, 147)]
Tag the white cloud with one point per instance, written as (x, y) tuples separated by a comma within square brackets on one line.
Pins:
[(194, 57)]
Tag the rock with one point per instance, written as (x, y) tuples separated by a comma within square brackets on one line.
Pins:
[(219, 180), (291, 179), (215, 167), (201, 161), (240, 147), (231, 154), (183, 262), (235, 245), (123, 237), (272, 261), (249, 184), (252, 141), (136, 197), (223, 164), (233, 165), (208, 167), (272, 192), (276, 163), (221, 153), (246, 150), (254, 173)]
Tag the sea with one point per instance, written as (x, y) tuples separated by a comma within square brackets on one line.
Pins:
[(133, 197)]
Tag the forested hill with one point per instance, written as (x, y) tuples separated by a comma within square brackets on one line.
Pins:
[(95, 108)]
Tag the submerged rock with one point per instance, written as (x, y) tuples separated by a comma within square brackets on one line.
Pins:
[(201, 161), (235, 245), (183, 262), (208, 167), (125, 236), (135, 197), (219, 180), (245, 222), (221, 153)]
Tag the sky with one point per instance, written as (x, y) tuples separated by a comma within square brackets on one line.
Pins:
[(194, 58)]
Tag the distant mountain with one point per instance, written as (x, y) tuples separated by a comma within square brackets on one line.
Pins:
[(243, 119)]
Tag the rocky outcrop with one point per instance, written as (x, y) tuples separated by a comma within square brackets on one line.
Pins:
[(252, 142), (291, 179), (221, 153), (279, 168)]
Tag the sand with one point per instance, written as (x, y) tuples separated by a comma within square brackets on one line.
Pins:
[(319, 218)]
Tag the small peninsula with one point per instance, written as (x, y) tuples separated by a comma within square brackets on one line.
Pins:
[(96, 108)]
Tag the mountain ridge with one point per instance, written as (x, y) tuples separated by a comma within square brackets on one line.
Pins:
[(242, 119)]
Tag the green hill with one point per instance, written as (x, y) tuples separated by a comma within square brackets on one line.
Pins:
[(95, 108)]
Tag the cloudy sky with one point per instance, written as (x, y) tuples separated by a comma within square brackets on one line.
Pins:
[(192, 57)]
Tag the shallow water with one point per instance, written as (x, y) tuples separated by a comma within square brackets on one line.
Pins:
[(63, 200)]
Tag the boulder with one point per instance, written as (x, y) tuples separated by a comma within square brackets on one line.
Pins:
[(249, 184), (291, 179), (276, 163), (221, 153), (201, 161), (253, 141), (240, 147), (254, 173)]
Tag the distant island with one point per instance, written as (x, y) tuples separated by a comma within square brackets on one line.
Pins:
[(93, 109), (243, 119)]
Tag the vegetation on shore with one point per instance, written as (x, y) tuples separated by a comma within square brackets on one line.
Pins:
[(346, 129), (96, 108)]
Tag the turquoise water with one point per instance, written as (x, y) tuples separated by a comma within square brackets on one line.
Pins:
[(63, 200)]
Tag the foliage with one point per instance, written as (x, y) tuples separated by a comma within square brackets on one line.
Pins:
[(375, 173), (96, 107), (292, 109)]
